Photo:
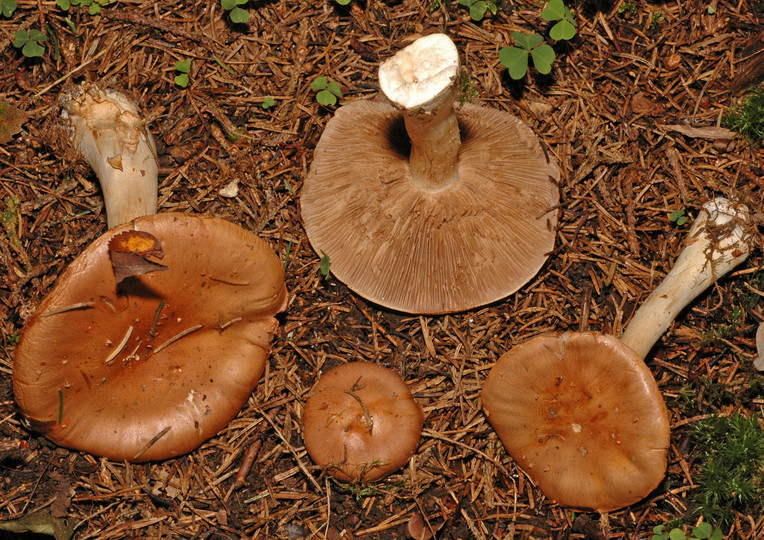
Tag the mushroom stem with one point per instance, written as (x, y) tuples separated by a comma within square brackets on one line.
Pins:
[(421, 80), (106, 128), (718, 241)]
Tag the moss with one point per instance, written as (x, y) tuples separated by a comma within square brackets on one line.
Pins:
[(731, 451), (747, 117)]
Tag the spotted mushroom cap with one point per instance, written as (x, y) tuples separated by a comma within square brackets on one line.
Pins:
[(417, 251), (153, 367), (361, 422), (582, 415)]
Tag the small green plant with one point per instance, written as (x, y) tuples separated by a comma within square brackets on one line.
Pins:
[(565, 28), (327, 92), (627, 8), (94, 6), (532, 45), (711, 10), (184, 69), (703, 531), (343, 2), (678, 217), (30, 42), (528, 45), (478, 8), (731, 478), (236, 13), (268, 102), (7, 7), (747, 117), (656, 20), (324, 264)]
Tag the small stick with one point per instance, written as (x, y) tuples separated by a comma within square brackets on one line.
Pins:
[(246, 464), (366, 414), (81, 305), (176, 337), (122, 344), (152, 442)]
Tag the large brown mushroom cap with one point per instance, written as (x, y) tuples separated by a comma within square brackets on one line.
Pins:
[(223, 284), (474, 242), (361, 422), (583, 416)]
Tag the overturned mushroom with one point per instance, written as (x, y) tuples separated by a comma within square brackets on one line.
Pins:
[(361, 422), (151, 366), (425, 207), (106, 128), (580, 412)]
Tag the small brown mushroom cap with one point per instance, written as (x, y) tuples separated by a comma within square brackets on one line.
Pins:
[(96, 368), (361, 422), (582, 415), (405, 248)]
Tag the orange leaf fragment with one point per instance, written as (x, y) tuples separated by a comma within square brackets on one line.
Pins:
[(129, 252)]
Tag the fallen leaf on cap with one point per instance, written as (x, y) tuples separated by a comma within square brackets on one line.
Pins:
[(11, 119), (129, 251)]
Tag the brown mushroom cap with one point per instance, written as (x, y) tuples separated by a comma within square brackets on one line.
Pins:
[(223, 284), (402, 247), (582, 415), (361, 422)]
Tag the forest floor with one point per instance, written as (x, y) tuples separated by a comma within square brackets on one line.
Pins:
[(631, 112)]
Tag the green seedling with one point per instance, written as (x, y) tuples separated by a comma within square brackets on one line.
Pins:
[(704, 531), (565, 28), (478, 8), (747, 117), (324, 264), (184, 68), (527, 45), (678, 218), (94, 6), (328, 92), (711, 10), (30, 42), (656, 20), (731, 477), (627, 8), (343, 2), (237, 14), (268, 102), (7, 7)]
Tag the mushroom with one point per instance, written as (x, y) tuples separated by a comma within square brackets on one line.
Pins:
[(106, 128), (361, 422), (583, 416), (580, 412), (719, 240), (150, 367), (424, 206), (758, 362)]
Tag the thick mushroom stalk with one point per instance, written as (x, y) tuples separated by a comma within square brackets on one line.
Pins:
[(107, 129), (718, 242), (421, 80)]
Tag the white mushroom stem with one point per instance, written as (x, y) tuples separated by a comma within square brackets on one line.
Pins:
[(421, 80), (107, 129), (718, 241)]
